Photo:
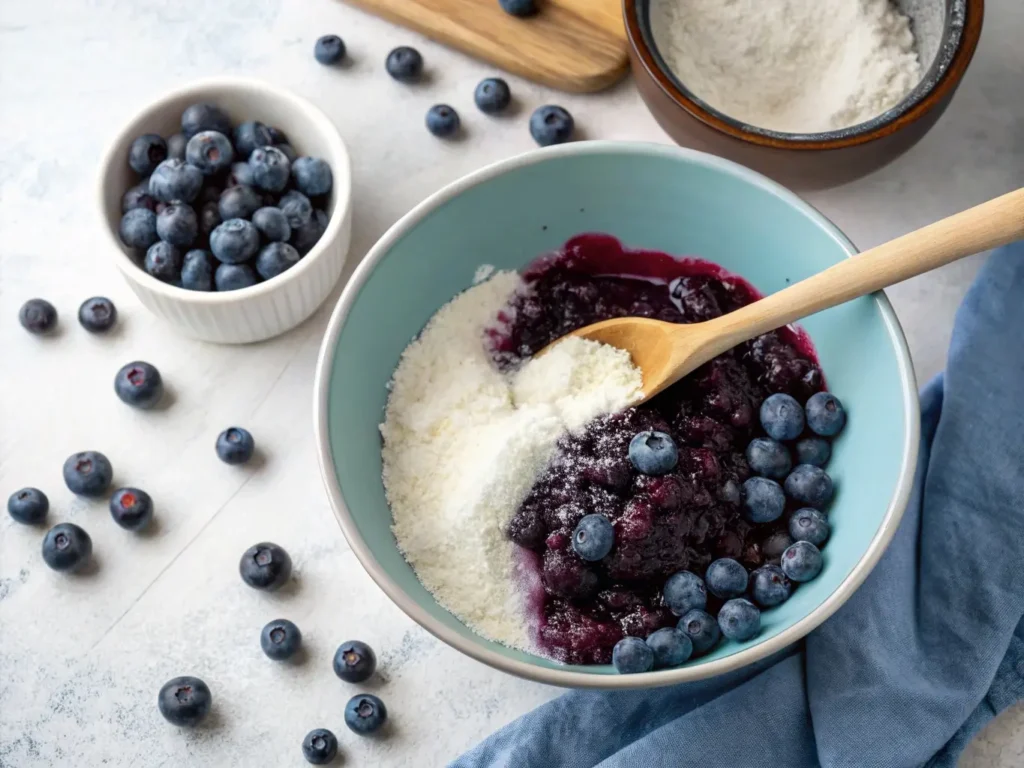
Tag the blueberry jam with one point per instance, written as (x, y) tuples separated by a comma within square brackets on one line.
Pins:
[(680, 520)]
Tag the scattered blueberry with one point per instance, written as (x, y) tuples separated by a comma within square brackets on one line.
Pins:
[(726, 578), (763, 499), (175, 180), (235, 241), (176, 145), (241, 175), (653, 453), (139, 384), (280, 639), (739, 619), (37, 316), (146, 153), (28, 506), (782, 417), (329, 49), (250, 135), (813, 450), (354, 661), (184, 701), (825, 414), (305, 237), (809, 524), (204, 117), (177, 224), (492, 96), (365, 713), (197, 271), (809, 485), (275, 258), (97, 315), (320, 746), (88, 473), (702, 629), (138, 228), (442, 121), (233, 277), (671, 647), (163, 261), (297, 208), (312, 176), (265, 566), (131, 508), (210, 151), (405, 64), (289, 151), (518, 7), (768, 458), (138, 197), (272, 224), (685, 591), (551, 124), (631, 655), (769, 586), (235, 445), (802, 561), (209, 220), (66, 547), (270, 168), (593, 538)]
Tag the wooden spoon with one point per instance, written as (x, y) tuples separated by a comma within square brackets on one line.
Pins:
[(665, 352)]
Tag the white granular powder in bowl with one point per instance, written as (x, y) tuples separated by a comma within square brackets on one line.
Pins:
[(464, 443), (794, 66)]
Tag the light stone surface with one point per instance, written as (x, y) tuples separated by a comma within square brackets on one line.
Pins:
[(81, 659)]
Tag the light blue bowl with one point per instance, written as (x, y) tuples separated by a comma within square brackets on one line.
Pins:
[(654, 197)]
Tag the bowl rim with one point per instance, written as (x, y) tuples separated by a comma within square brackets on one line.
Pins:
[(341, 172), (566, 677), (926, 95)]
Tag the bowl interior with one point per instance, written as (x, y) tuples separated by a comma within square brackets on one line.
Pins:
[(678, 201)]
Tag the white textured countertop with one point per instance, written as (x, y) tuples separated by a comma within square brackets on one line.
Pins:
[(81, 659)]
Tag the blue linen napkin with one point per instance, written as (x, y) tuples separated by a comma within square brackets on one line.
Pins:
[(923, 655)]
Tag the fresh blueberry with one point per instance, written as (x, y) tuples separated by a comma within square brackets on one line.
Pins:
[(204, 117), (825, 414), (492, 95), (809, 524), (265, 566), (176, 145), (250, 135), (671, 647), (28, 506), (66, 547), (809, 485), (270, 168), (139, 384), (297, 208), (272, 224), (235, 445), (304, 238), (551, 124), (163, 261), (685, 591), (593, 538), (234, 277), (320, 746), (209, 220), (235, 241), (739, 619), (354, 661), (768, 458), (280, 639), (97, 315), (702, 629), (239, 202), (312, 176), (329, 49), (802, 561), (653, 453), (289, 151), (175, 180), (146, 153), (631, 655), (177, 224), (277, 136), (774, 545), (37, 316), (769, 586), (131, 508), (405, 64), (813, 450), (210, 151), (197, 271), (442, 121), (138, 228), (88, 473), (365, 713), (782, 417), (184, 701), (519, 7), (763, 499), (138, 197), (726, 578), (240, 176), (275, 258)]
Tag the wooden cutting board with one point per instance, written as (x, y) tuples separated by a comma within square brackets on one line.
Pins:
[(573, 45)]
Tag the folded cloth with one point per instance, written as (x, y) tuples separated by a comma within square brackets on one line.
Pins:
[(926, 652)]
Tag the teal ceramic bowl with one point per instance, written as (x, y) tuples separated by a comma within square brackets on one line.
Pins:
[(654, 197)]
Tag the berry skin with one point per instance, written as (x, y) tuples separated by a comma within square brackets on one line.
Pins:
[(289, 151), (726, 578), (131, 508), (296, 208), (809, 524), (355, 661), (175, 180), (305, 237), (671, 647), (97, 315), (138, 197), (210, 151), (329, 49), (177, 224), (519, 8), (204, 117), (685, 591), (146, 153), (184, 701), (265, 566), (825, 414), (312, 176), (702, 629), (404, 64), (809, 485), (365, 714), (739, 619), (773, 546), (197, 271), (28, 506), (235, 241), (277, 136), (241, 175), (176, 146), (163, 261), (763, 499), (209, 220), (631, 656), (272, 224), (250, 135), (139, 384), (138, 228), (233, 277), (270, 168), (782, 417), (275, 259), (37, 316), (769, 586), (320, 746), (235, 445), (653, 453), (768, 458), (551, 124), (492, 96), (239, 202), (280, 639), (443, 121), (66, 547), (802, 561), (88, 473), (815, 451), (593, 538)]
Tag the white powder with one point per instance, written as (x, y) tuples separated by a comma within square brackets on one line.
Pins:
[(464, 443), (796, 66)]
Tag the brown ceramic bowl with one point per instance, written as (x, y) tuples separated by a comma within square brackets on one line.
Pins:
[(812, 159)]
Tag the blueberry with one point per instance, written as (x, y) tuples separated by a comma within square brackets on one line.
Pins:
[(88, 473), (289, 151), (809, 524), (329, 49), (774, 545), (653, 453), (739, 619), (234, 277), (163, 261), (769, 586), (809, 485), (97, 315), (66, 547), (235, 241), (250, 135), (270, 168), (146, 153), (297, 208), (312, 176), (272, 224), (782, 417), (197, 271), (280, 639), (492, 95), (210, 151), (354, 661), (275, 258), (802, 561), (763, 500), (442, 121), (304, 238), (138, 197), (685, 591), (825, 414), (239, 202), (813, 450), (235, 445), (138, 228), (175, 180), (139, 384), (177, 224), (204, 117), (176, 145), (28, 506), (702, 629), (768, 458), (240, 176), (726, 578), (37, 316), (631, 655), (519, 7), (365, 713), (670, 646), (184, 701), (731, 493), (593, 538), (320, 746), (405, 64), (551, 124), (131, 508), (265, 566), (277, 136), (209, 220)]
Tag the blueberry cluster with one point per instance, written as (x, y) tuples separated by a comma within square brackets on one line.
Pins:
[(222, 206)]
